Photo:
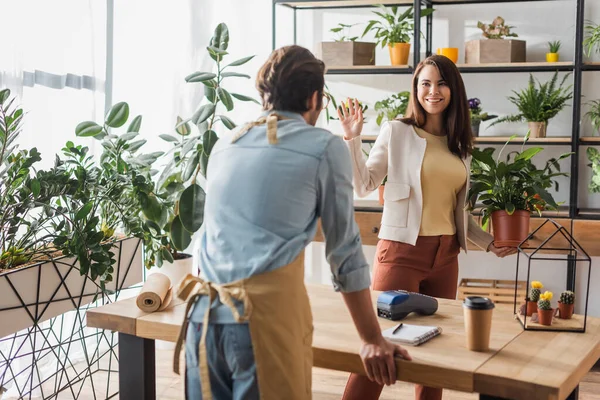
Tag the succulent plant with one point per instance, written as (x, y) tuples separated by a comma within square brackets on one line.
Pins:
[(567, 297), (544, 302), (534, 293)]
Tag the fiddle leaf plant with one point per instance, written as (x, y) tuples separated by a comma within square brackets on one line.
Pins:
[(513, 184), (190, 152)]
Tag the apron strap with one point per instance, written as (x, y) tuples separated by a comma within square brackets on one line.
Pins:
[(188, 291), (270, 120)]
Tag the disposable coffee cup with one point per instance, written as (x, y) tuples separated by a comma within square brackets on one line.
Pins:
[(478, 322)]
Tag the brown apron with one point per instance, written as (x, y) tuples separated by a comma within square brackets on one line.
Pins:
[(277, 308)]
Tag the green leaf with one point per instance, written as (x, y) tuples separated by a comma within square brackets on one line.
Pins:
[(208, 141), (180, 237), (117, 116), (225, 98), (229, 124), (134, 146), (168, 138), (128, 136), (167, 256), (135, 125), (210, 93), (151, 208), (528, 154), (35, 187), (241, 61), (182, 127), (84, 211), (203, 113), (200, 77), (241, 97), (510, 208), (191, 166), (4, 95), (191, 207), (234, 74), (220, 37), (87, 129)]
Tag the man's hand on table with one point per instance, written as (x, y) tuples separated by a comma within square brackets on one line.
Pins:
[(378, 360)]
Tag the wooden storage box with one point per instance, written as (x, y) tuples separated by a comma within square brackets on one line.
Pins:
[(347, 54), (495, 51), (499, 291)]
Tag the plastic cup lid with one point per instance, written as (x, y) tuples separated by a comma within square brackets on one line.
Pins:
[(478, 303)]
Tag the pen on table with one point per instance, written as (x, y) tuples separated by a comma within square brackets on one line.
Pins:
[(396, 328)]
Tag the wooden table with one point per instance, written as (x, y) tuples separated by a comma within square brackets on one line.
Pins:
[(521, 365)]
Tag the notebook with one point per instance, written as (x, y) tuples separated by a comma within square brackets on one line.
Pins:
[(412, 335)]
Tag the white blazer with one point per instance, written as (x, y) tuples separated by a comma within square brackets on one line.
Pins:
[(398, 153)]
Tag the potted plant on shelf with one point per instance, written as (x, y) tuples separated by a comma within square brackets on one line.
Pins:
[(392, 107), (538, 104), (552, 54), (510, 190), (534, 296), (345, 50), (591, 42), (477, 115), (566, 304), (594, 156), (545, 310), (394, 29), (594, 114), (494, 48)]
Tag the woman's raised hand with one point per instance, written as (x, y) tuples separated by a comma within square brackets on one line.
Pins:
[(351, 119)]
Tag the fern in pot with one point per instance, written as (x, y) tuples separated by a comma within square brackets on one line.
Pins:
[(509, 190), (539, 103)]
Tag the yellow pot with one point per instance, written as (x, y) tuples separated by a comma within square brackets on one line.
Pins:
[(399, 53), (552, 57)]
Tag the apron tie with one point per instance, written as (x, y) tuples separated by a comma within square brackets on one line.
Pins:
[(189, 291), (270, 120)]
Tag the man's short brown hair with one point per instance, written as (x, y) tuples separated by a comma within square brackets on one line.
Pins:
[(289, 78)]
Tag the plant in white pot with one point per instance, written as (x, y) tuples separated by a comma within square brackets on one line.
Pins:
[(509, 191), (539, 103), (395, 29)]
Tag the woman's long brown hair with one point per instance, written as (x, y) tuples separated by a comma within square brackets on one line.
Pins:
[(457, 121)]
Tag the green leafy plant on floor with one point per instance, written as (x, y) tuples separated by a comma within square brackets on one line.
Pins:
[(190, 152), (391, 107), (513, 184), (594, 156), (539, 102)]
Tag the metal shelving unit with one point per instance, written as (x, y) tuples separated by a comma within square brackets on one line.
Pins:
[(577, 67)]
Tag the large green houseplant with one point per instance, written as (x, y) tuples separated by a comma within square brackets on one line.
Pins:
[(395, 29), (509, 191), (539, 103)]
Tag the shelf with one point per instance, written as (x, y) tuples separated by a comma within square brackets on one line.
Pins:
[(311, 4), (591, 66), (369, 70), (516, 67), (589, 141), (589, 213), (500, 140)]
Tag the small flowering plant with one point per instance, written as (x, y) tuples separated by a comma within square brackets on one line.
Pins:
[(496, 30), (476, 112), (534, 293), (544, 301)]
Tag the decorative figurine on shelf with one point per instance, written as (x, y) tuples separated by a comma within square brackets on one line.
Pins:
[(534, 296), (566, 304), (545, 310)]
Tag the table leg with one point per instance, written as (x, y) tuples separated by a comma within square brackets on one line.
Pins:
[(137, 368), (573, 396)]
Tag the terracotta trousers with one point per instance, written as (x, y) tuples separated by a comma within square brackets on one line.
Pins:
[(430, 267)]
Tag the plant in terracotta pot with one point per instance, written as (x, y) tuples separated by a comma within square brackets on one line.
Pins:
[(392, 107), (477, 115), (545, 310), (566, 304), (552, 54), (539, 103), (534, 297), (509, 190), (394, 29)]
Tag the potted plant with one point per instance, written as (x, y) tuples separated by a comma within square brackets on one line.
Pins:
[(545, 310), (494, 48), (477, 115), (510, 190), (189, 154), (566, 304), (534, 296), (594, 156), (394, 29), (552, 54), (591, 41), (538, 104), (594, 114), (345, 50), (392, 107)]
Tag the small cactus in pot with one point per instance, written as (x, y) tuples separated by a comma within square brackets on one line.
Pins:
[(566, 304), (545, 310), (534, 296)]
